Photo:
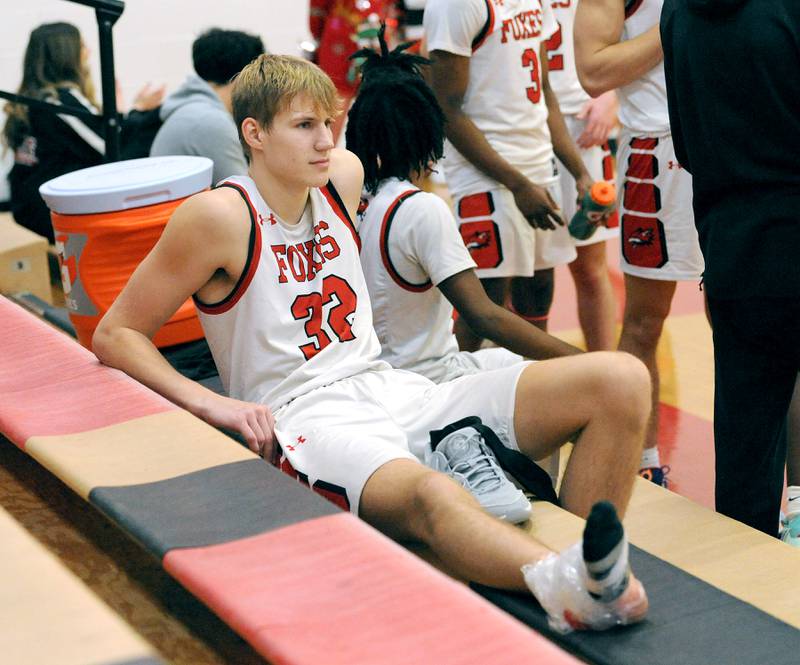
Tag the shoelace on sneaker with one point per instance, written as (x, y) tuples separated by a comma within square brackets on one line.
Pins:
[(480, 469)]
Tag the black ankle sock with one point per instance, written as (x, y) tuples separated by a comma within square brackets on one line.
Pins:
[(605, 553)]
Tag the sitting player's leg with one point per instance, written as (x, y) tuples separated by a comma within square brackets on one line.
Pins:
[(602, 402), (410, 502)]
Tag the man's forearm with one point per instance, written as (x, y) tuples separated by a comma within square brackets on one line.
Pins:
[(133, 353), (617, 65), (563, 144), (517, 335)]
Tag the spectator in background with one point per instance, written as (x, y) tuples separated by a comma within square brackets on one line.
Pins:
[(732, 86), (340, 28), (197, 117), (46, 144)]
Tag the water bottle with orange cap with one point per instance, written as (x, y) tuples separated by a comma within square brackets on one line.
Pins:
[(597, 202)]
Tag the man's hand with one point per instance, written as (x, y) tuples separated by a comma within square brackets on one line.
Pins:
[(149, 97), (601, 117), (254, 422), (536, 205)]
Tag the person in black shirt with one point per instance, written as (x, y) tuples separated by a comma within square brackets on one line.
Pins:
[(48, 144), (733, 89)]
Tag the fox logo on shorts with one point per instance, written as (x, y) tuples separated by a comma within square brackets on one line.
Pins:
[(641, 237), (482, 239), (478, 240), (643, 241)]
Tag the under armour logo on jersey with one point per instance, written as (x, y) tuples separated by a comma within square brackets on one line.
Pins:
[(272, 219), (300, 440)]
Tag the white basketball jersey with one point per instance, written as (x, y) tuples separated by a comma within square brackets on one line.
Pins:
[(643, 103), (411, 243), (299, 316), (504, 97), (561, 59)]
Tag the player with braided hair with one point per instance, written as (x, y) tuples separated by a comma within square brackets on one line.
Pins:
[(410, 240)]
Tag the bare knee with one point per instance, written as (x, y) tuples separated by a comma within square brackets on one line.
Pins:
[(434, 496), (590, 273), (625, 388), (643, 327)]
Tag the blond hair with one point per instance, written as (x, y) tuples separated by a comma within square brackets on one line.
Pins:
[(268, 85)]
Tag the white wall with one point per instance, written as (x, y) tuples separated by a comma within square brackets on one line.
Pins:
[(152, 39)]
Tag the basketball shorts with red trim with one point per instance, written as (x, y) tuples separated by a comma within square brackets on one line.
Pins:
[(335, 437), (502, 242), (601, 166), (658, 235)]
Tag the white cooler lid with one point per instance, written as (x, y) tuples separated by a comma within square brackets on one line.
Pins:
[(133, 183)]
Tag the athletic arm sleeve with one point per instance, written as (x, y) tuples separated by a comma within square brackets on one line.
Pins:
[(426, 235), (452, 25)]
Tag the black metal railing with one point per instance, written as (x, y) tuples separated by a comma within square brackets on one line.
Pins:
[(107, 13)]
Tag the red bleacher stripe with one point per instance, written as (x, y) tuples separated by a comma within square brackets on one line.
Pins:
[(333, 590), (50, 385)]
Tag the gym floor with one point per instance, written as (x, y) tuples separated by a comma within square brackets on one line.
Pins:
[(686, 364)]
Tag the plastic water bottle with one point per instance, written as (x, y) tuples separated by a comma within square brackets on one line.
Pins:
[(598, 201)]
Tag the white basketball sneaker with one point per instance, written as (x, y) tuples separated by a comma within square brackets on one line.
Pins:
[(464, 456)]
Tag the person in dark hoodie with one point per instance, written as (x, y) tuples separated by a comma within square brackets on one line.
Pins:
[(733, 89), (197, 117)]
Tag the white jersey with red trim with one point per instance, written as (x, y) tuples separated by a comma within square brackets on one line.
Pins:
[(562, 73), (643, 103), (504, 97), (299, 317), (410, 244)]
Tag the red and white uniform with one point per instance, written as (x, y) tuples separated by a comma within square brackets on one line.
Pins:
[(410, 245), (505, 101), (296, 334), (659, 238), (643, 103), (300, 316), (504, 98), (563, 77)]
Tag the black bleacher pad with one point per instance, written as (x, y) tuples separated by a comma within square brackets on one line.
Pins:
[(216, 505), (689, 622)]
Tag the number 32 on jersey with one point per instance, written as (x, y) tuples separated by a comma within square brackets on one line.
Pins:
[(311, 306)]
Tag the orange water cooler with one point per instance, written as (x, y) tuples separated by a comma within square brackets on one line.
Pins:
[(106, 219)]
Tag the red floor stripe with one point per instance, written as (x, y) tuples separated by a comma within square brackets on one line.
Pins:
[(686, 444)]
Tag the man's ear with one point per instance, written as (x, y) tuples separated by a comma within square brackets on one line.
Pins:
[(253, 133)]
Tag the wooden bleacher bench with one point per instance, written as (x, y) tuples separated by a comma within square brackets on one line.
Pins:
[(303, 582), (48, 616), (300, 580)]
